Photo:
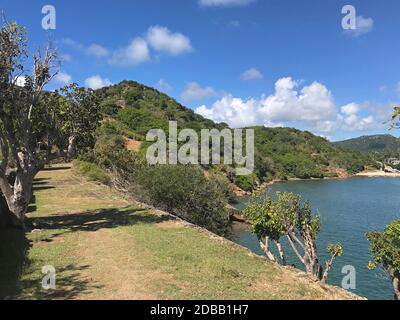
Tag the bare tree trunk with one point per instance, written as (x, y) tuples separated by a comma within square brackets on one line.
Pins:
[(18, 196), (265, 247), (328, 268), (396, 286), (310, 256), (281, 253)]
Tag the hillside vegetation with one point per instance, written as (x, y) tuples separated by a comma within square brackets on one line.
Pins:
[(131, 109), (384, 143), (105, 247)]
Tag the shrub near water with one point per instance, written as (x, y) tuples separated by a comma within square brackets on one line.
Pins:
[(181, 190), (187, 193)]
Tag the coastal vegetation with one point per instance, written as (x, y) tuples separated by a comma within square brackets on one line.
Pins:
[(103, 133), (105, 246), (131, 109), (385, 246), (287, 217), (383, 143)]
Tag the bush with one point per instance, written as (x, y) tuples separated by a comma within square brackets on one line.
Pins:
[(92, 171), (180, 190), (185, 192), (224, 185), (107, 147), (246, 183)]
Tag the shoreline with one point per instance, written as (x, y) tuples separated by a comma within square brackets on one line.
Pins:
[(378, 173), (367, 174)]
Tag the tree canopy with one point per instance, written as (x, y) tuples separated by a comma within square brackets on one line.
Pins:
[(289, 217), (385, 247), (36, 126)]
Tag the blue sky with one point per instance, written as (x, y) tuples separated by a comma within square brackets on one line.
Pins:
[(275, 63)]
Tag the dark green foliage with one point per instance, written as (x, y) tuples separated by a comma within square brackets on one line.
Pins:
[(224, 185), (182, 190), (379, 147), (246, 183), (385, 247), (376, 143), (92, 171), (186, 192), (107, 149), (142, 108), (286, 152), (279, 152)]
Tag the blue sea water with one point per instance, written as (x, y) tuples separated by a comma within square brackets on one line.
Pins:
[(349, 209)]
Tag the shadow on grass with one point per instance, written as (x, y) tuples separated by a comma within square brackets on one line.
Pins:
[(56, 168), (41, 184), (14, 262), (14, 248), (91, 221), (70, 283), (13, 254)]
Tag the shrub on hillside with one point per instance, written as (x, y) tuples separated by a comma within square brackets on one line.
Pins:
[(246, 183), (185, 192), (92, 171), (181, 190)]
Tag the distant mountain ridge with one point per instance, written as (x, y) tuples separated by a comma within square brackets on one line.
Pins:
[(376, 143)]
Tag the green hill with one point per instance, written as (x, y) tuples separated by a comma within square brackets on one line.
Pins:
[(280, 152), (295, 153), (376, 143)]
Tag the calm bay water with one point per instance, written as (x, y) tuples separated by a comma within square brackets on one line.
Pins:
[(348, 208)]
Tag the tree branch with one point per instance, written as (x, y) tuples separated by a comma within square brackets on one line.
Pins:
[(295, 249)]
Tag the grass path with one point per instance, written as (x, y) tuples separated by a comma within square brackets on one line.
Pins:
[(103, 247)]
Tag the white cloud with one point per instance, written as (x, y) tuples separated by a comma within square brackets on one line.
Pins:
[(310, 107), (363, 26), (20, 81), (63, 78), (224, 3), (234, 111), (97, 82), (97, 50), (312, 103), (355, 122), (163, 40), (135, 53), (252, 74), (193, 91), (164, 86), (158, 38), (350, 109)]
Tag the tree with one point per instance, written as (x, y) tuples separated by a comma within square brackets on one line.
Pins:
[(35, 126), (385, 246), (289, 217)]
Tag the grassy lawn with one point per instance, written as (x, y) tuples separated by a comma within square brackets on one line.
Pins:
[(104, 247)]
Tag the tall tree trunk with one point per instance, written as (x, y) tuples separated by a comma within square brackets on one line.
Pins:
[(396, 286), (18, 197), (265, 247)]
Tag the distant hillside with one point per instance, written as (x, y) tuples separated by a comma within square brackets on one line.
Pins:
[(301, 154), (377, 143), (280, 152)]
